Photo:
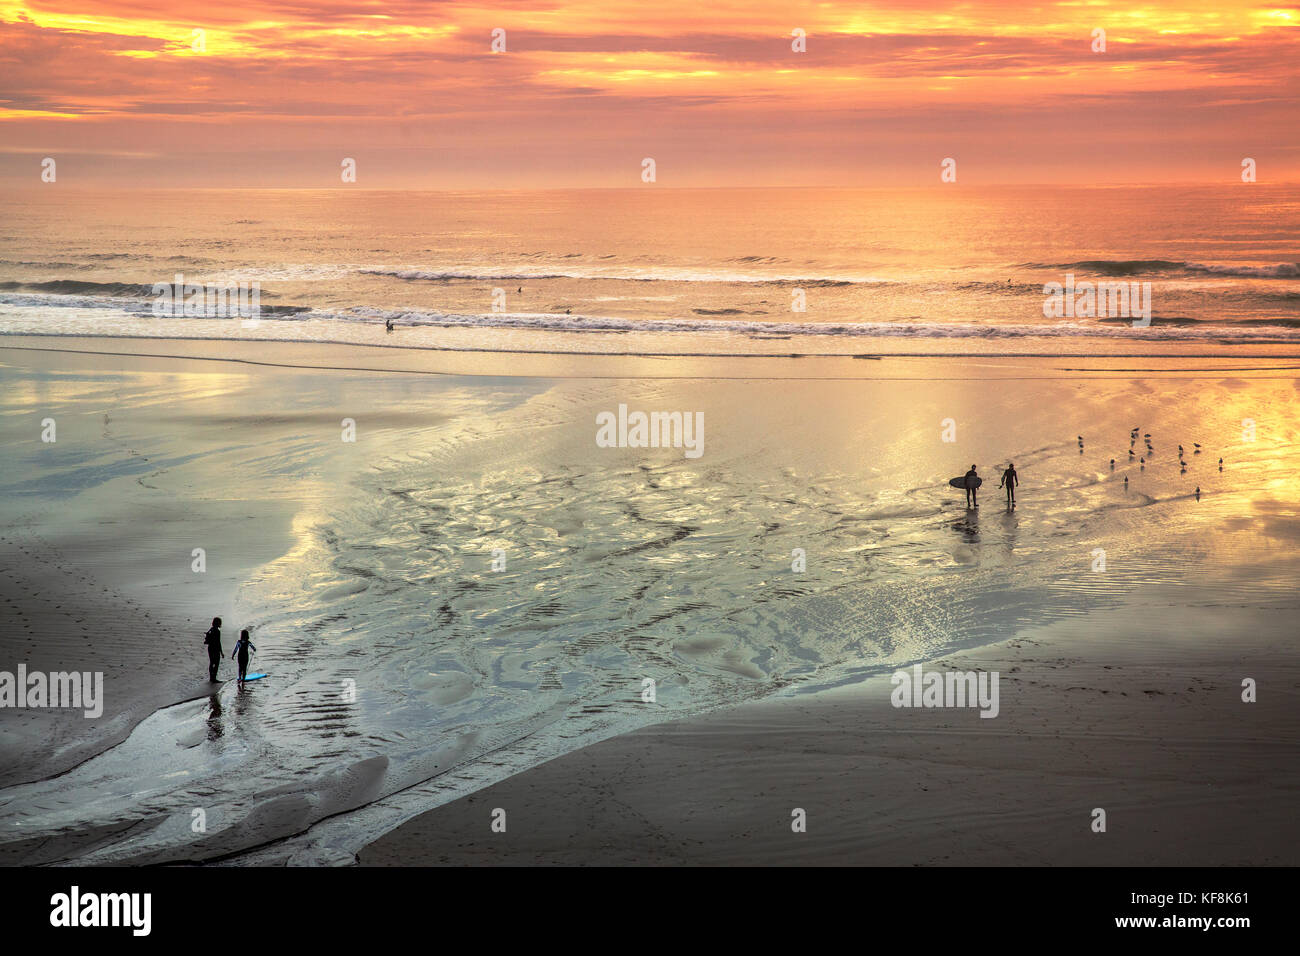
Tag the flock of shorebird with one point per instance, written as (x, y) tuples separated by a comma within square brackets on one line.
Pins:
[(1142, 459)]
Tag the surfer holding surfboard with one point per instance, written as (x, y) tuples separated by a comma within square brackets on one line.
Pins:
[(971, 482)]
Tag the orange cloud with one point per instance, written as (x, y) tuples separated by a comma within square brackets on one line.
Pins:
[(277, 91)]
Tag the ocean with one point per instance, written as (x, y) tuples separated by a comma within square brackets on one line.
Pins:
[(713, 271)]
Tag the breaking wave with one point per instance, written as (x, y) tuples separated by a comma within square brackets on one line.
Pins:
[(1134, 267)]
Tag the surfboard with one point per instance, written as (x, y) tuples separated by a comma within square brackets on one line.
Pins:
[(254, 677), (960, 482)]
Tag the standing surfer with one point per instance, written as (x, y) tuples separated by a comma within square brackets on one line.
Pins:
[(241, 649), (971, 488), (1009, 481), (213, 640)]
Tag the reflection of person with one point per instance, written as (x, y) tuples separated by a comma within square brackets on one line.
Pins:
[(971, 490), (213, 640), (1009, 481), (241, 649)]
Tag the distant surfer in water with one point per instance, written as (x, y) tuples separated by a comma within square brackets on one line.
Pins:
[(971, 490), (388, 325), (213, 640), (1009, 481), (241, 650)]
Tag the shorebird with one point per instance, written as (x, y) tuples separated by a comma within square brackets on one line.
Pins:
[(1197, 446), (1198, 492), (1112, 464), (1180, 451)]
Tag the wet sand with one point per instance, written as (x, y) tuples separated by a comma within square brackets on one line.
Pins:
[(103, 581), (1132, 707), (1094, 714)]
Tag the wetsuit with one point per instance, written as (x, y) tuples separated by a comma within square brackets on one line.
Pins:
[(1010, 479), (971, 500), (241, 652), (213, 640)]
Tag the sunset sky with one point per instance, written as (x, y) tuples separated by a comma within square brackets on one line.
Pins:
[(282, 91)]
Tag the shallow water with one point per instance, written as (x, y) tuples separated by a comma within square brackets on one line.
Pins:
[(621, 565)]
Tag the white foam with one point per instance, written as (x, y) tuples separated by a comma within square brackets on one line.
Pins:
[(1282, 270)]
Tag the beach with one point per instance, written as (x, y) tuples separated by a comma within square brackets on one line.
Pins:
[(568, 437), (1187, 773), (460, 607)]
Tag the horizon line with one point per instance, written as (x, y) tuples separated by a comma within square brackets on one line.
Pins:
[(649, 187)]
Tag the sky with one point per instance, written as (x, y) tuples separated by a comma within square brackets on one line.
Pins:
[(278, 94)]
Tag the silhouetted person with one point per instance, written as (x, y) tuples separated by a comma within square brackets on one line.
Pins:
[(971, 501), (1009, 481), (213, 640), (388, 325), (241, 651)]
